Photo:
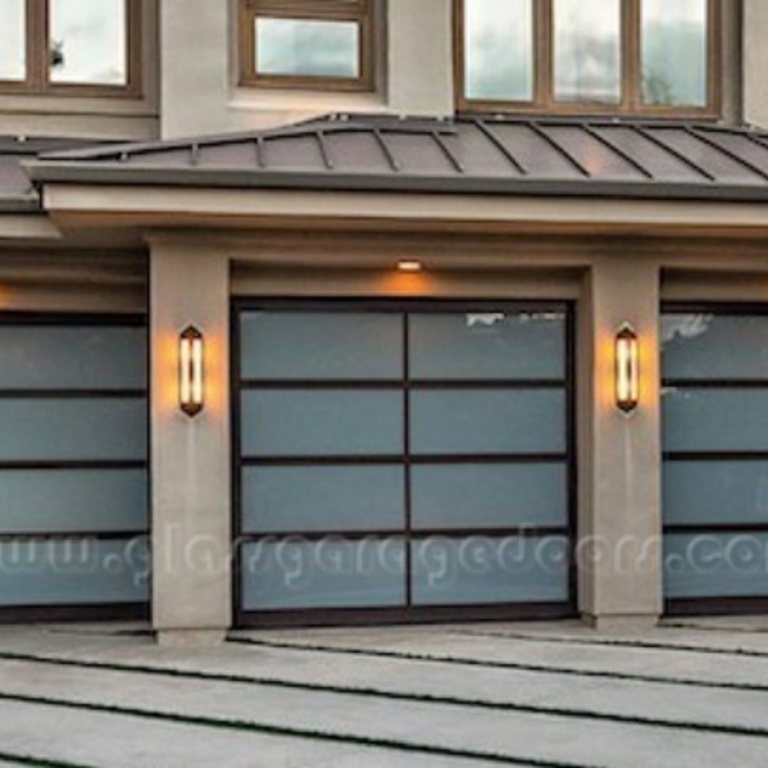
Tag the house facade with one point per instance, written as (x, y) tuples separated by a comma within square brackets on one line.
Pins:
[(364, 311)]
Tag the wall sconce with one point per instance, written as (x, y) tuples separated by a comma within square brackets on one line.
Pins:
[(191, 371), (409, 265), (627, 370)]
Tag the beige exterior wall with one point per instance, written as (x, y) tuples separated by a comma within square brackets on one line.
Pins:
[(615, 259), (200, 93), (755, 62), (50, 280), (619, 456), (193, 276), (619, 553), (190, 457), (191, 88)]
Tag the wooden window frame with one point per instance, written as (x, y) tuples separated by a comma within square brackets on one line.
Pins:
[(37, 80), (631, 102), (360, 12)]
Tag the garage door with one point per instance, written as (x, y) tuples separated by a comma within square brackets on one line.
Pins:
[(73, 467), (715, 364), (402, 462)]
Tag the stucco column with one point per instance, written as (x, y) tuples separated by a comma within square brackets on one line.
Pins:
[(619, 552), (191, 508)]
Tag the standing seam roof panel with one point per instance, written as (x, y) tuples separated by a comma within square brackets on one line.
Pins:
[(498, 155)]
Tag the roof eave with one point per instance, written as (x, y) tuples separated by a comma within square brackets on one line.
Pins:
[(76, 172), (19, 204)]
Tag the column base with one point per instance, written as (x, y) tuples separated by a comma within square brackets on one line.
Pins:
[(622, 625), (190, 638)]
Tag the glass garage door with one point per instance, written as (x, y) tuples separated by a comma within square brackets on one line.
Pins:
[(73, 468), (715, 367), (402, 462)]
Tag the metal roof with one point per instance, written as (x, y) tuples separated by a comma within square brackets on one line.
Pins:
[(17, 193), (494, 155)]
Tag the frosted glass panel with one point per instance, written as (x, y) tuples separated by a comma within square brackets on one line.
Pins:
[(707, 346), (84, 430), (489, 495), (723, 492), (715, 420), (311, 48), (321, 423), (716, 566), (323, 499), (587, 40), (74, 572), (321, 345), (88, 42), (88, 357), (72, 501), (674, 52), (487, 345), (13, 30), (498, 49), (330, 574), (483, 571), (487, 422)]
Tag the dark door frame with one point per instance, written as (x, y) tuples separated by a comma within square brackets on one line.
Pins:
[(409, 613), (80, 611), (724, 606)]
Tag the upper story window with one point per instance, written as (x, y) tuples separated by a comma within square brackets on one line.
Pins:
[(307, 43), (621, 56), (87, 47)]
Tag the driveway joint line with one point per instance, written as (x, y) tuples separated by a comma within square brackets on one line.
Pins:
[(512, 665), (449, 701), (309, 734), (640, 645)]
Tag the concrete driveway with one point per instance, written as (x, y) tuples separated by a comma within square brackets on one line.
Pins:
[(548, 696)]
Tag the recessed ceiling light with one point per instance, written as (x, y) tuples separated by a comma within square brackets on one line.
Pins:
[(410, 265)]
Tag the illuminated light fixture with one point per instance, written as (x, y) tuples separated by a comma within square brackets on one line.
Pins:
[(627, 370), (410, 265), (191, 371)]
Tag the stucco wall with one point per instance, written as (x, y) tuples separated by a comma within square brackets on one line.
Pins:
[(193, 88), (756, 62), (40, 279), (191, 499), (200, 94)]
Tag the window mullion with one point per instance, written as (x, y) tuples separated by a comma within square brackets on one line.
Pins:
[(134, 22), (714, 54), (247, 42), (631, 44), (37, 44), (544, 52)]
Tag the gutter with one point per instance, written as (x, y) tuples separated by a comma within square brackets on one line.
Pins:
[(20, 204), (77, 172)]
